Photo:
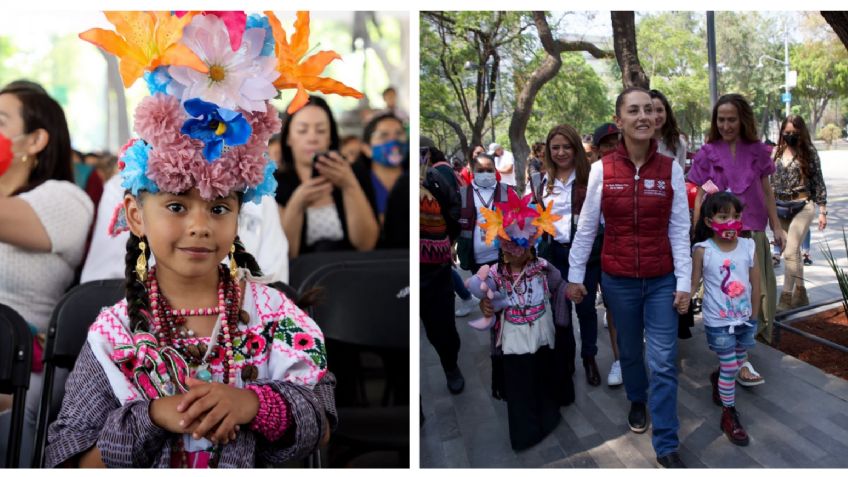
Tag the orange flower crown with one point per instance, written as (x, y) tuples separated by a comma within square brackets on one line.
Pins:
[(516, 222)]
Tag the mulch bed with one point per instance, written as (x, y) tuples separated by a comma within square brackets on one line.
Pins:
[(831, 325)]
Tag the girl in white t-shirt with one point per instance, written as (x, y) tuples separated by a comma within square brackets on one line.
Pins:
[(731, 277)]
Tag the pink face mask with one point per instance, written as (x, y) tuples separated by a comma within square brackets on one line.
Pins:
[(728, 230), (6, 154)]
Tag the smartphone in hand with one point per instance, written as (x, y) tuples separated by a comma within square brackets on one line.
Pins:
[(315, 172)]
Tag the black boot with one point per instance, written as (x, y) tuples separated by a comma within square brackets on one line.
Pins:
[(456, 383)]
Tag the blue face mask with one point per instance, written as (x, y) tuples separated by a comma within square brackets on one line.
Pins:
[(389, 154)]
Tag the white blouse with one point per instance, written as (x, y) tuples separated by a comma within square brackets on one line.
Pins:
[(33, 282)]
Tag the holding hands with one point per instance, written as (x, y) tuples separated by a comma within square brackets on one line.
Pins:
[(681, 302), (575, 292)]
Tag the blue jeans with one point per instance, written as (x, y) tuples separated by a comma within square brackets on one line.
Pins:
[(587, 314), (719, 338), (646, 305), (805, 246), (459, 286)]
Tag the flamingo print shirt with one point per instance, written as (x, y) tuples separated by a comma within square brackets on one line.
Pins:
[(727, 286)]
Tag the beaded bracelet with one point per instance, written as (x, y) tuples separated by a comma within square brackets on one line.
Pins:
[(271, 419)]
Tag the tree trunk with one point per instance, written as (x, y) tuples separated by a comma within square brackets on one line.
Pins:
[(839, 22), (624, 41), (545, 72)]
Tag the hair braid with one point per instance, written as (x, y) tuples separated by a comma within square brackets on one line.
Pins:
[(244, 259), (137, 299)]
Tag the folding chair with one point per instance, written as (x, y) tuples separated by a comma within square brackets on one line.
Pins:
[(303, 265), (366, 304), (15, 368), (69, 324)]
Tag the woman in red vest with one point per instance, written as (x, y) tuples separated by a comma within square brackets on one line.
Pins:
[(645, 263)]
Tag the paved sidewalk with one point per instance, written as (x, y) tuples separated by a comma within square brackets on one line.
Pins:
[(798, 418)]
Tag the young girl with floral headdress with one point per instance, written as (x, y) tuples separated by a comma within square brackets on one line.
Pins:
[(201, 365), (525, 333)]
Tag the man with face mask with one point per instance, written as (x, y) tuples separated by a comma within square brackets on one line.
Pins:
[(484, 191)]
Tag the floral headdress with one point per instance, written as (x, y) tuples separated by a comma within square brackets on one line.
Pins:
[(211, 75), (514, 225)]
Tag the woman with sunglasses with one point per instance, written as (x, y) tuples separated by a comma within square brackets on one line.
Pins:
[(797, 182)]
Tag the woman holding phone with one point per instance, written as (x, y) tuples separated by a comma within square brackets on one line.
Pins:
[(325, 202)]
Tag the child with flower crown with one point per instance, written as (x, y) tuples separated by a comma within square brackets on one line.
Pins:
[(525, 331), (201, 365)]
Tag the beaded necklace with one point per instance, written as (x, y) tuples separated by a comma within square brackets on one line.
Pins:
[(169, 325), (169, 328)]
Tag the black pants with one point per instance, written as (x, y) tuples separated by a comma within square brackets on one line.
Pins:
[(437, 313)]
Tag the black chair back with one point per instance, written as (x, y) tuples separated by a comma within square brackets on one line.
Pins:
[(72, 317), (365, 306), (15, 369), (365, 301), (304, 265)]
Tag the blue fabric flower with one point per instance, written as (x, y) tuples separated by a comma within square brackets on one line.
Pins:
[(215, 127), (261, 21), (134, 175), (268, 186), (158, 80)]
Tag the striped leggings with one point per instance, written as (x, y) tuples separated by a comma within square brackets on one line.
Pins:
[(730, 360)]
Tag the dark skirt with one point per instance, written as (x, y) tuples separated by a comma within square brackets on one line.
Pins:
[(530, 394)]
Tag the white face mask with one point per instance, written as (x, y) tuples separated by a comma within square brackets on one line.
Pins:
[(485, 180)]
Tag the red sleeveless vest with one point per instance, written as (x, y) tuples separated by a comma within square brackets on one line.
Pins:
[(637, 210)]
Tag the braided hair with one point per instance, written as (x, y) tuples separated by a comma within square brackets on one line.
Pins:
[(138, 302)]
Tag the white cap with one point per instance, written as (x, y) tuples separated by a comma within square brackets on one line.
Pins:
[(493, 147)]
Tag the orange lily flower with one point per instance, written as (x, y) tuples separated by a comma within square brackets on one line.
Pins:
[(144, 41), (493, 226), (545, 221), (303, 75)]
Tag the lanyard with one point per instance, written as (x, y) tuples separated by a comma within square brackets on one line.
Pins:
[(487, 204)]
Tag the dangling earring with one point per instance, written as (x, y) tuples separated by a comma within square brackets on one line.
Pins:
[(24, 159), (233, 266), (141, 263)]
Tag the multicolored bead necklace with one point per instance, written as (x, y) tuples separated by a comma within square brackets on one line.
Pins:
[(169, 324)]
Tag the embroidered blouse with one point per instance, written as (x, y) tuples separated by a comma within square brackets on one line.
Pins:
[(107, 405)]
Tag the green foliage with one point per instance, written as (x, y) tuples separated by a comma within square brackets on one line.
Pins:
[(830, 133), (839, 272), (672, 50), (822, 67), (576, 96), (470, 36)]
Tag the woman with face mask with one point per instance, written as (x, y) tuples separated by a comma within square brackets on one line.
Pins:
[(325, 202), (387, 147), (798, 189), (44, 221), (735, 159)]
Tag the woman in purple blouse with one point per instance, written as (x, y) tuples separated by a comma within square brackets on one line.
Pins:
[(735, 159)]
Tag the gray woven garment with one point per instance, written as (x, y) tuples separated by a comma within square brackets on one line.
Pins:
[(92, 415)]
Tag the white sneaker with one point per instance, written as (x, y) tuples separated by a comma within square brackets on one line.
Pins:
[(599, 299), (465, 306), (606, 325), (614, 376)]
